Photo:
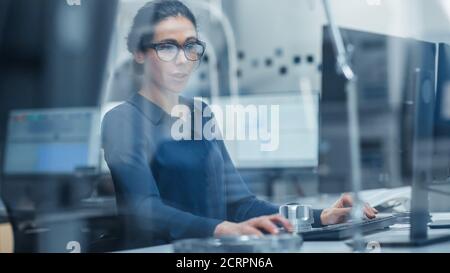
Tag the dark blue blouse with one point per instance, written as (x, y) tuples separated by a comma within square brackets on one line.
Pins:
[(167, 189)]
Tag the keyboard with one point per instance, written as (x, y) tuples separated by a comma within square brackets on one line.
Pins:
[(346, 230)]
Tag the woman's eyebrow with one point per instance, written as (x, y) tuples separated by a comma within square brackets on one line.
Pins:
[(167, 41), (191, 39)]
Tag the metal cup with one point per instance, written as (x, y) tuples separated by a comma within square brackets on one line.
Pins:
[(300, 216)]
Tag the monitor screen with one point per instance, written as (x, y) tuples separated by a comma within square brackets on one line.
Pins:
[(57, 141), (443, 91), (391, 71), (296, 138), (441, 162)]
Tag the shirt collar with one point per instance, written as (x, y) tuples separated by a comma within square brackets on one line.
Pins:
[(151, 110)]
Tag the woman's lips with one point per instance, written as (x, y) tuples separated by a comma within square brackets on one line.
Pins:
[(180, 76)]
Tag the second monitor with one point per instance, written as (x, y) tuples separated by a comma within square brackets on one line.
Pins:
[(390, 71), (52, 141)]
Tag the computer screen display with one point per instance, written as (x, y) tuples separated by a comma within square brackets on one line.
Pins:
[(441, 162), (57, 141), (391, 71), (295, 140)]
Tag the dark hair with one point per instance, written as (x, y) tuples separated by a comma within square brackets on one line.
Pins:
[(142, 30)]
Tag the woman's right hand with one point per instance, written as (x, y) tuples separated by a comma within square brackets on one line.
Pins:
[(255, 226)]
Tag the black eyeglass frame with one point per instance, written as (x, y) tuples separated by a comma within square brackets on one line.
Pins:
[(155, 47)]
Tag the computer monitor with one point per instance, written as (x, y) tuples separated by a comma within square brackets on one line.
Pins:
[(416, 141), (52, 142), (389, 69), (297, 135), (419, 135), (441, 162)]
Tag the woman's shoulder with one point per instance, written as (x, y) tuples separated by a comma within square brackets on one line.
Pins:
[(122, 112)]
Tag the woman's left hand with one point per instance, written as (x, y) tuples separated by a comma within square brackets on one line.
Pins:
[(341, 210)]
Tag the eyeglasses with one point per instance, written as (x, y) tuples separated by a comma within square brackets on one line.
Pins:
[(168, 51)]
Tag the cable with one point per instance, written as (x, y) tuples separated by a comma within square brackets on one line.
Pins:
[(353, 121), (339, 46)]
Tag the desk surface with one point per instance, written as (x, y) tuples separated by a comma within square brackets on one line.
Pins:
[(340, 246)]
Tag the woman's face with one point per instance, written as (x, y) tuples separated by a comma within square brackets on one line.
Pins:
[(172, 75)]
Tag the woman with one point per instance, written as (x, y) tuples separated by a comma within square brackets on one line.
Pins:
[(169, 189)]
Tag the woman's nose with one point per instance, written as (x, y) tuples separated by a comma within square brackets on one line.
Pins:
[(181, 58)]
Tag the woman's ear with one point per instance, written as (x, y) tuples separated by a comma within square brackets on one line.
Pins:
[(139, 57)]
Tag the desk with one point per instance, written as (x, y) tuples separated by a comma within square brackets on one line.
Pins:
[(340, 246), (6, 238), (93, 224), (6, 233)]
